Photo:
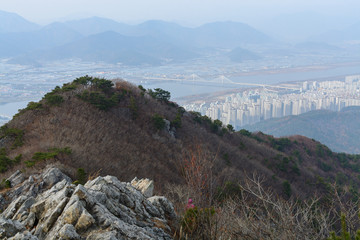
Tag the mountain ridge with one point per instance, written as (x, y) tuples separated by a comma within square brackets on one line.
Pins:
[(113, 47), (162, 42), (128, 131), (12, 22)]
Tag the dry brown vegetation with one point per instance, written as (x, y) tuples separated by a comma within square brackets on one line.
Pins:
[(126, 145), (298, 192), (259, 213)]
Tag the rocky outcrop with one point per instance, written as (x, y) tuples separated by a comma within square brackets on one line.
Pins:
[(32, 186), (170, 130), (145, 186), (16, 178), (48, 206)]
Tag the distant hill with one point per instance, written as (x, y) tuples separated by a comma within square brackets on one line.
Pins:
[(340, 131), (214, 35), (115, 48), (228, 34), (217, 34), (55, 34), (12, 22), (151, 42), (241, 54), (96, 25), (346, 34), (129, 131), (160, 28)]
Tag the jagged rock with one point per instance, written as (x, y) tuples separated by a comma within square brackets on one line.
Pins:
[(2, 201), (68, 232), (144, 185), (22, 212), (24, 236), (104, 208), (17, 178), (164, 205), (85, 221), (9, 228), (113, 235), (33, 186), (12, 208), (53, 176), (30, 221), (170, 130)]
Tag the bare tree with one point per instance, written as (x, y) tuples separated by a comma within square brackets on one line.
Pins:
[(258, 213), (197, 166)]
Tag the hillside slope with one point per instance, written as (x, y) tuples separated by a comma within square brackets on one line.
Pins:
[(12, 22), (121, 131), (114, 48), (338, 130)]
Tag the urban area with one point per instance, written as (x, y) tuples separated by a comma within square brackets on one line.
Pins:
[(253, 105)]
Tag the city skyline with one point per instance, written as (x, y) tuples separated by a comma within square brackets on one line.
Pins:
[(255, 105)]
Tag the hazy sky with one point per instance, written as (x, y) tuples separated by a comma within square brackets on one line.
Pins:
[(182, 11)]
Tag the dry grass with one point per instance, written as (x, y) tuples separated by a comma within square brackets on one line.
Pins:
[(259, 213), (94, 175)]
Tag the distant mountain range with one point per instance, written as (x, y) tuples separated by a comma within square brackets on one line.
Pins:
[(12, 22), (98, 39), (157, 42), (96, 25), (217, 34), (56, 34), (114, 47), (240, 55), (340, 131)]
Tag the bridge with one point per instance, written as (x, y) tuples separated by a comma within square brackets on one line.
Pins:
[(223, 80)]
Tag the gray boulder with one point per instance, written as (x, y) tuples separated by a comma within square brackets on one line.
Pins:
[(24, 236), (9, 228), (145, 186), (104, 208), (17, 178), (31, 187)]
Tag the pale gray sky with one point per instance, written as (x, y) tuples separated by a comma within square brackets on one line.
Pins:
[(183, 11)]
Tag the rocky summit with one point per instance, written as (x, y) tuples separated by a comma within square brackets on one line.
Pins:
[(49, 206)]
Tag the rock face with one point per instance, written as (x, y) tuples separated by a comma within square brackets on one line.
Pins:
[(170, 130), (16, 178), (145, 186), (48, 206)]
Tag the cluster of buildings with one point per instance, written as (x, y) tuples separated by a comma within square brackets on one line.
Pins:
[(255, 105)]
